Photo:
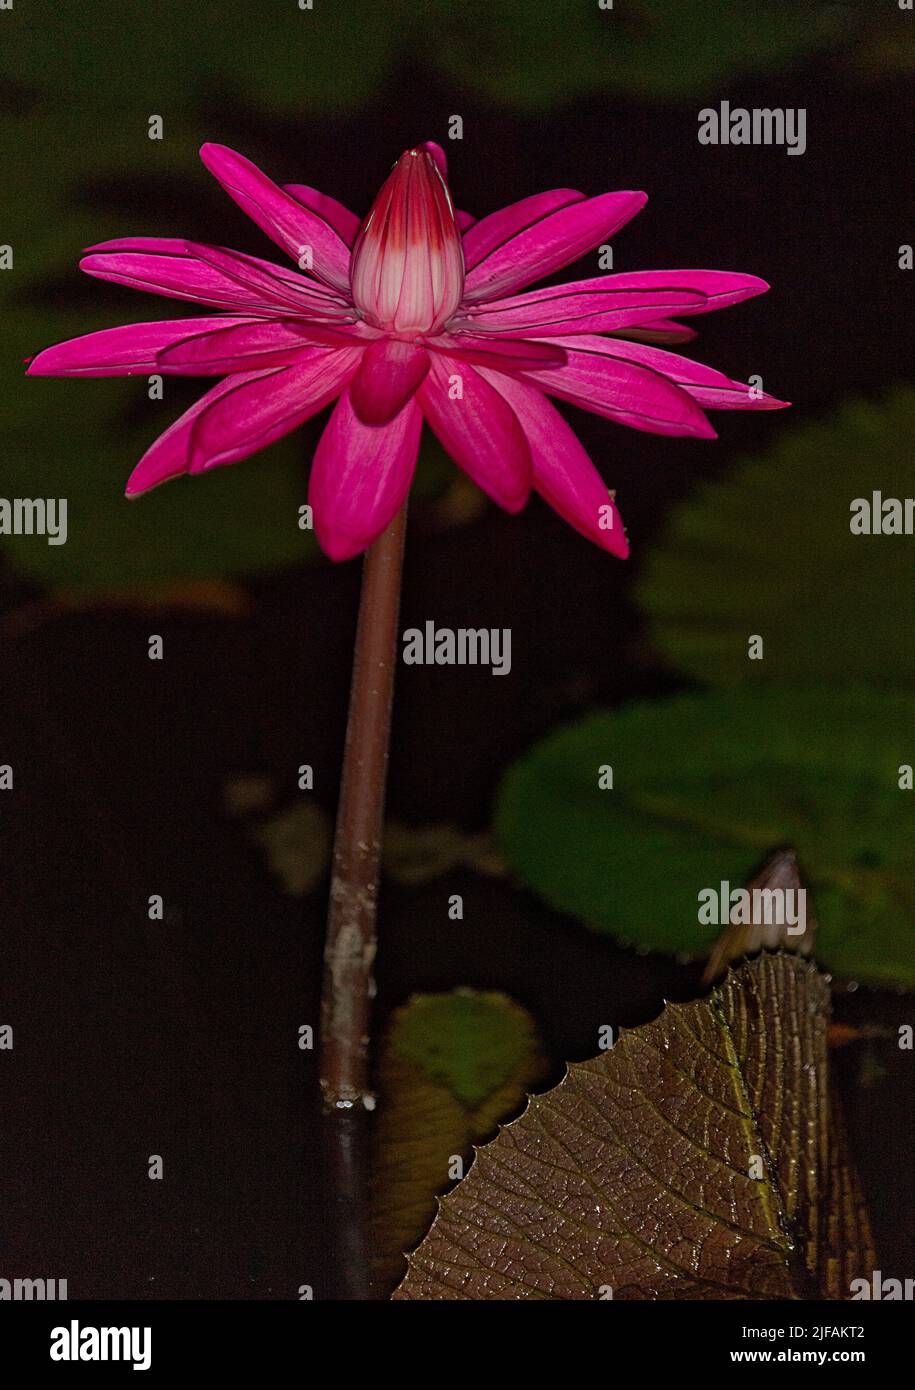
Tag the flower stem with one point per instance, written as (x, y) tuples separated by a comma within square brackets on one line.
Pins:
[(349, 952)]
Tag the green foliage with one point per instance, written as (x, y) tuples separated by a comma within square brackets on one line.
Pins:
[(234, 521), (541, 55), (333, 57), (769, 551), (703, 787), (154, 57)]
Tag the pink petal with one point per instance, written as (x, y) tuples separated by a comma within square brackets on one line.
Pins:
[(622, 390), (240, 415), (262, 278), (360, 476), (709, 388), (504, 354), (248, 419), (465, 220), (407, 271), (438, 154), (126, 351), (227, 279), (239, 348), (661, 331), (552, 243), (585, 306), (173, 272), (479, 430), (563, 473), (296, 228), (345, 223), (494, 231), (169, 456), (718, 288), (388, 376)]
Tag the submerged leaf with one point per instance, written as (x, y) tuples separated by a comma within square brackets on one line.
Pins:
[(703, 786), (297, 842), (452, 1066), (696, 1160), (418, 854), (208, 598)]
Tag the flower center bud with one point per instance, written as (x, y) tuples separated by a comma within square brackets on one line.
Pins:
[(407, 270)]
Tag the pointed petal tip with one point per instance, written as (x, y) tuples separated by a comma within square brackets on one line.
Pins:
[(431, 147), (216, 156), (637, 200), (763, 402), (751, 284), (701, 428), (515, 505), (339, 549), (36, 363), (137, 486)]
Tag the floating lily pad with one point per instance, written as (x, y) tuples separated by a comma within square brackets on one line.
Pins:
[(233, 521), (769, 551), (704, 785)]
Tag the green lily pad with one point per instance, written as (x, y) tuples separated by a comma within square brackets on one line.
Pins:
[(88, 190), (156, 57), (769, 551), (333, 57), (704, 785), (238, 520), (539, 55)]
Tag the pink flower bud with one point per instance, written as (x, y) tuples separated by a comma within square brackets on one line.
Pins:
[(408, 267)]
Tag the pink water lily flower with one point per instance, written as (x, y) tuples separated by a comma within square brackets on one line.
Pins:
[(414, 314)]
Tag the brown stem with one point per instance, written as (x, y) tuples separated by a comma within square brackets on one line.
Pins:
[(349, 952)]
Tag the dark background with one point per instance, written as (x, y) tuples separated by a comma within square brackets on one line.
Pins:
[(179, 1037)]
